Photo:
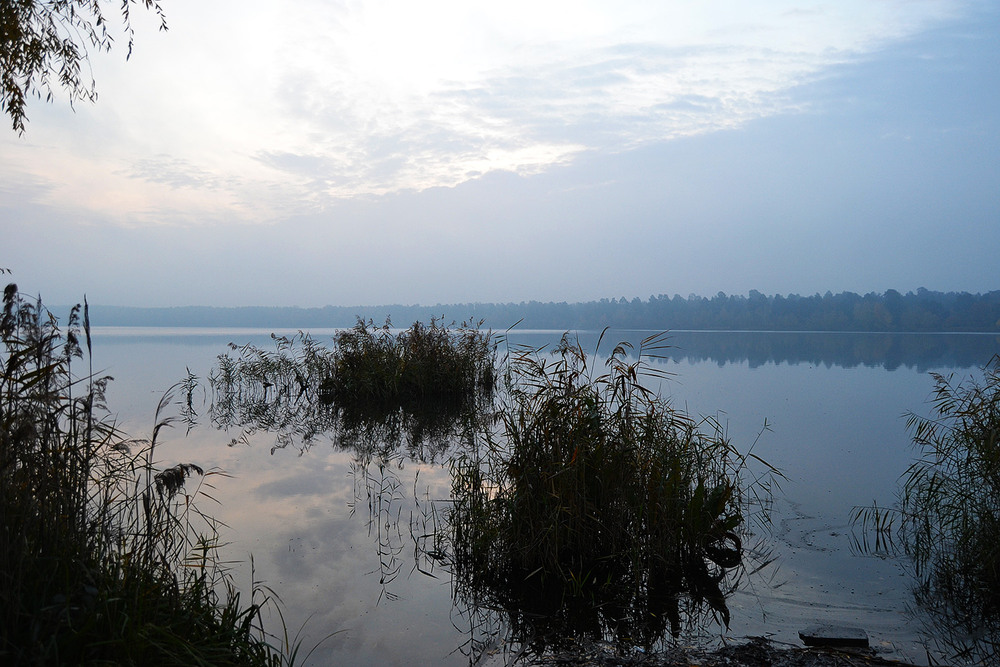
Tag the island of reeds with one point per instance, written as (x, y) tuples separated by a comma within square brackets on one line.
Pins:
[(371, 389), (596, 510)]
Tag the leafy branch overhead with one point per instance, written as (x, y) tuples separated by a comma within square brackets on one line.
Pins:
[(46, 45)]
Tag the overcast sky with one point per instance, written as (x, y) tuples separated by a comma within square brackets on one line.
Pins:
[(383, 151)]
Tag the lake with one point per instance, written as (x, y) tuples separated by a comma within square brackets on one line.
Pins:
[(336, 536)]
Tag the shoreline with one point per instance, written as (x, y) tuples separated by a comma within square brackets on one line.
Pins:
[(753, 652)]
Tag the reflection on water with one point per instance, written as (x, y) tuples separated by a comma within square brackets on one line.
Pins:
[(921, 352), (597, 511), (644, 535), (836, 433), (286, 392)]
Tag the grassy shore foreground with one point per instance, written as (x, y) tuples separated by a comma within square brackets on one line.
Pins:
[(105, 557)]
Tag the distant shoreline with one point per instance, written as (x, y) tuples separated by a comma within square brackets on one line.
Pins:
[(922, 311)]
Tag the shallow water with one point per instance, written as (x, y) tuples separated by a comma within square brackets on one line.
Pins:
[(334, 538)]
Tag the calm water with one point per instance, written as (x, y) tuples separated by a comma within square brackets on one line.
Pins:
[(334, 536)]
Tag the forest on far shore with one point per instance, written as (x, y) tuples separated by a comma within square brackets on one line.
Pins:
[(923, 310)]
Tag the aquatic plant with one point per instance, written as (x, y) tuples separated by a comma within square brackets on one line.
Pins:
[(254, 389), (597, 508), (373, 388), (105, 555), (947, 518), (423, 364), (389, 396)]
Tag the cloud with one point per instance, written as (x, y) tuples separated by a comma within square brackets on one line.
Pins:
[(387, 96), (20, 186), (248, 112), (172, 171)]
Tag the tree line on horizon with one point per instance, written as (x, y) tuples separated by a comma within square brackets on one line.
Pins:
[(891, 311)]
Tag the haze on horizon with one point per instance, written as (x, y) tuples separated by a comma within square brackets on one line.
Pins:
[(383, 152)]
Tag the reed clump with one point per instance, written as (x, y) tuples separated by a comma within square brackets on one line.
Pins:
[(425, 364), (105, 557), (372, 387), (947, 518), (255, 389), (597, 503)]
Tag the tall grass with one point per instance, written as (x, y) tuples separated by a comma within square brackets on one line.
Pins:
[(596, 507), (371, 389), (385, 394), (947, 519), (254, 389), (423, 364), (105, 557)]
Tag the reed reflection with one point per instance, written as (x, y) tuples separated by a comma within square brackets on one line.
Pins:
[(373, 391), (390, 398), (596, 511), (582, 504)]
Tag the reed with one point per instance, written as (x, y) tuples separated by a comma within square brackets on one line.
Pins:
[(105, 555), (421, 365), (596, 505), (946, 518), (372, 388), (255, 389)]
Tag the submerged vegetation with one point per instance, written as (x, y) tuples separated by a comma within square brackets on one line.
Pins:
[(104, 555), (275, 391), (596, 509), (947, 521)]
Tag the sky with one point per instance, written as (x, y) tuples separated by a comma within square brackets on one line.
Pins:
[(453, 151)]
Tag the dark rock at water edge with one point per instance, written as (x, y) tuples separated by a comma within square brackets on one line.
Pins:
[(834, 635)]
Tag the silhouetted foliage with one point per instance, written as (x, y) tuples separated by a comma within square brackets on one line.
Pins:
[(946, 521), (596, 510), (105, 557), (44, 45)]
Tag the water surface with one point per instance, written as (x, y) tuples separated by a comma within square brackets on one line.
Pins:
[(336, 537)]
